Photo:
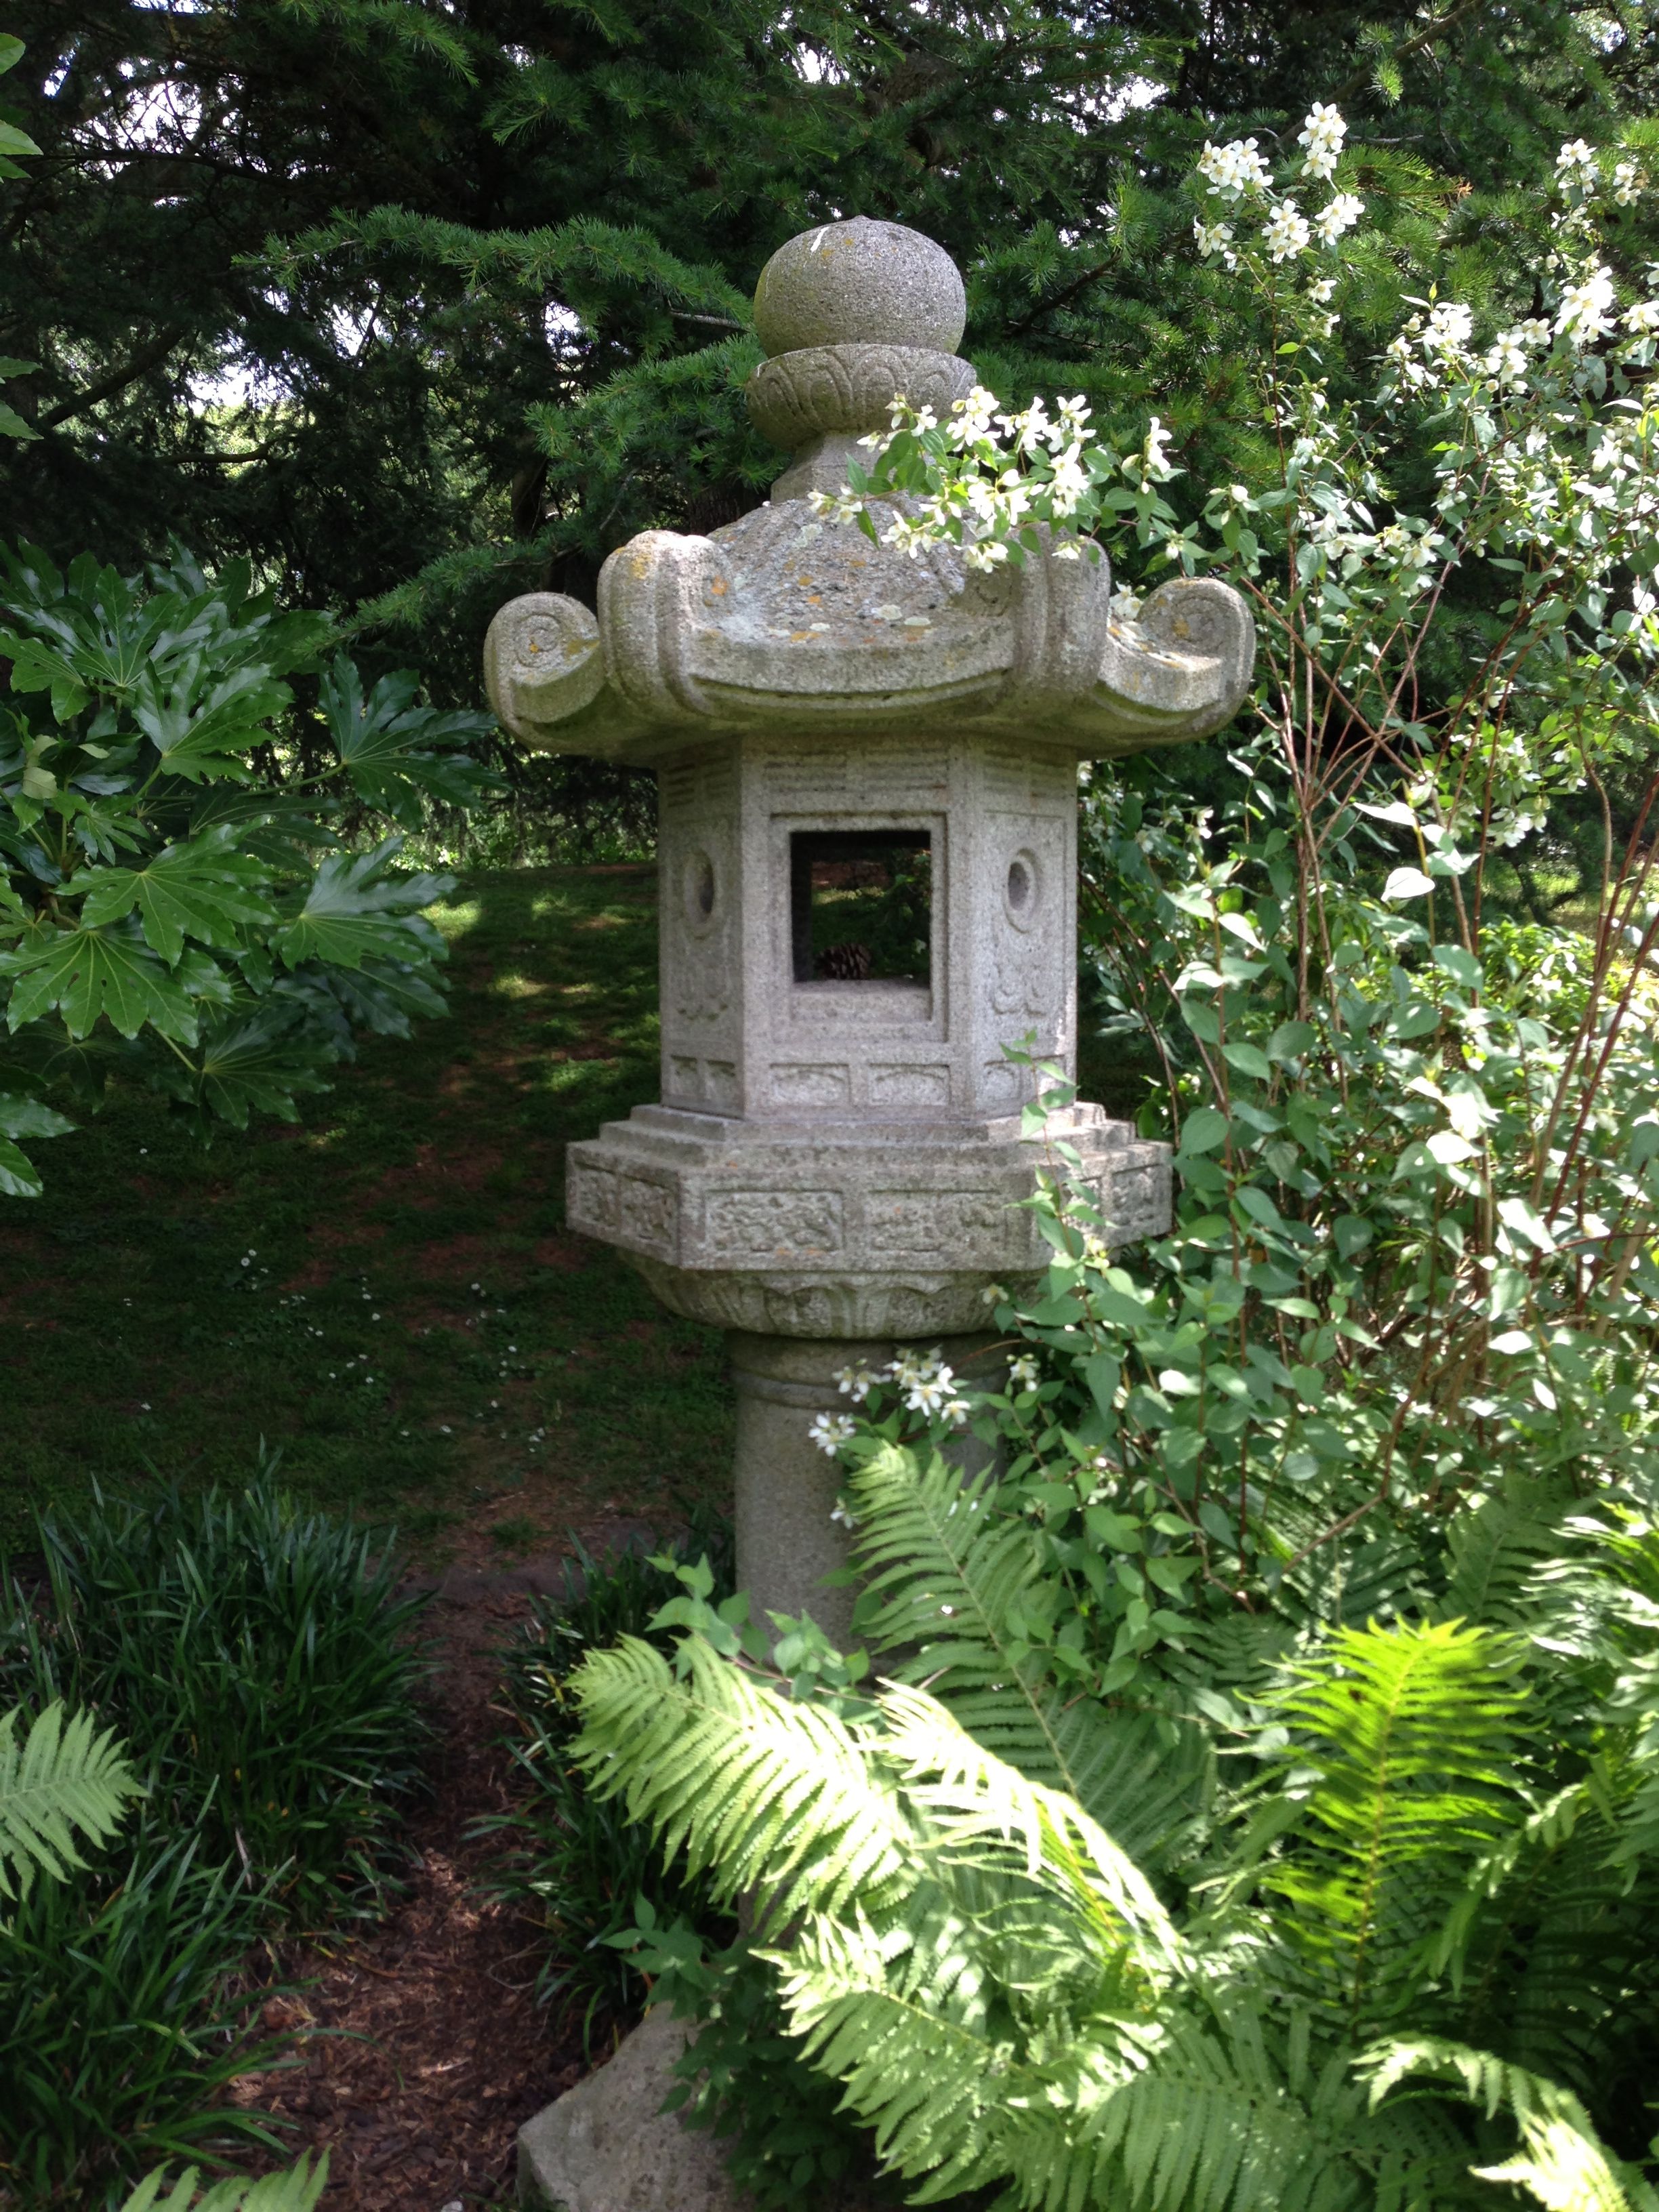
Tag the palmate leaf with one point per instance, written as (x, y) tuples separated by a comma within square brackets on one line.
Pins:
[(952, 1584), (24, 1117), (256, 1063), (355, 910), (86, 974), (205, 888), (395, 751), (200, 737), (296, 2190), (62, 1780)]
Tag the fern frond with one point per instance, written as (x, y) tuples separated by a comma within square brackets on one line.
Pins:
[(768, 1794), (1408, 1729), (974, 1798), (1561, 2161), (1497, 1548), (63, 1778), (958, 1591), (297, 2189)]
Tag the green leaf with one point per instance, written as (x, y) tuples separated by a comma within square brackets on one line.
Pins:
[(258, 1064), (60, 1781), (205, 888), (1203, 1129), (24, 1117), (395, 751), (1248, 1060), (357, 910), (199, 739), (88, 973)]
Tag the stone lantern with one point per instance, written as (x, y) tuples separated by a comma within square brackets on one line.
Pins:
[(868, 765)]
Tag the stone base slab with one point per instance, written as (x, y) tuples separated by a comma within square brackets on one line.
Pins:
[(873, 1231)]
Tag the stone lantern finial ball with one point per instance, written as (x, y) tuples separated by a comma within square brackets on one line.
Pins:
[(860, 283)]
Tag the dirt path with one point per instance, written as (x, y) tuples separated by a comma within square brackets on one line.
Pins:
[(419, 2048)]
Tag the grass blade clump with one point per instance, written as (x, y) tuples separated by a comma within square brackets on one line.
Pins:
[(256, 1662)]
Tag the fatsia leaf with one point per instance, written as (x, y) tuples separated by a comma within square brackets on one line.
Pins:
[(24, 1117), (86, 974), (394, 749), (258, 1065), (62, 1780), (357, 910), (201, 737), (205, 888)]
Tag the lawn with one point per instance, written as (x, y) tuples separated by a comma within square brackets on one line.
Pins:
[(385, 1292)]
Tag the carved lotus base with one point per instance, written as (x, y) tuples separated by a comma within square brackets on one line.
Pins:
[(873, 1230)]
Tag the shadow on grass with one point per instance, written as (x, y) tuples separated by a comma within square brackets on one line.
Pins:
[(387, 1290)]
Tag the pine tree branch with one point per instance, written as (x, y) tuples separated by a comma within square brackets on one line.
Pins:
[(138, 364)]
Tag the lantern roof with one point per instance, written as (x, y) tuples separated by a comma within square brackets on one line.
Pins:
[(791, 623)]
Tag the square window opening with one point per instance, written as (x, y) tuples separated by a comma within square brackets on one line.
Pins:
[(861, 906)]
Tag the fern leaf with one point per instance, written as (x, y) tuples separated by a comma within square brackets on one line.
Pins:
[(956, 1589), (770, 1794), (1408, 1729), (1498, 1549), (975, 1796), (61, 1780), (1561, 2162), (296, 2190)]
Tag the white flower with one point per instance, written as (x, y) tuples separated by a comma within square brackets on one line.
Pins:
[(993, 1295), (1153, 466), (1322, 135), (1575, 165), (1626, 183), (930, 1393), (1233, 168), (1583, 313), (1642, 318), (1534, 332), (842, 1518), (1067, 484), (1321, 292), (1074, 414), (972, 417), (1507, 359), (857, 1383), (830, 1431), (1023, 1372), (1341, 214), (1212, 238), (1448, 327), (1287, 233)]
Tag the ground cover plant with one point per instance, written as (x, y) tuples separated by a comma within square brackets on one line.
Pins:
[(260, 1678), (1259, 1805)]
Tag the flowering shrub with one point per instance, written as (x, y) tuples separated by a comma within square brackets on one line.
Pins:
[(1418, 1137)]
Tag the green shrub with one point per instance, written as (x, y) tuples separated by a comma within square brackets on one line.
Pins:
[(578, 1866), (124, 2017), (258, 1667)]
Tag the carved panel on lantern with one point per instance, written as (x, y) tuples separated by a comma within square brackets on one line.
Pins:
[(592, 1200), (919, 1222), (780, 1223), (795, 1085), (649, 1212), (920, 1086)]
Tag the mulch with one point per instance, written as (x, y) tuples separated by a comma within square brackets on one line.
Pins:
[(417, 2047)]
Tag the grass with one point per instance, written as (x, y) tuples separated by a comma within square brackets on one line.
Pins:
[(385, 1290)]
